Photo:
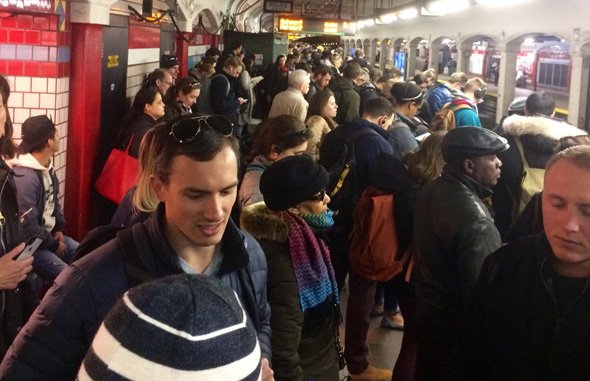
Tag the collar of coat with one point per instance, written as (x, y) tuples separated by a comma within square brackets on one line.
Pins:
[(263, 223), (553, 128), (481, 191)]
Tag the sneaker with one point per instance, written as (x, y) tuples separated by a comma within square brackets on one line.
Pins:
[(372, 374), (377, 310), (393, 321)]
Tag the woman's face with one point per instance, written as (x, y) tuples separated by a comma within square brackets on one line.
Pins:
[(316, 206), (282, 61), (331, 108), (156, 108), (189, 99)]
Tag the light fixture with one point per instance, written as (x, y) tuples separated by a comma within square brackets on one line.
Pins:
[(387, 18), (408, 13)]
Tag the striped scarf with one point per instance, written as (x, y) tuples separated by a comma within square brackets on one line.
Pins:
[(311, 263)]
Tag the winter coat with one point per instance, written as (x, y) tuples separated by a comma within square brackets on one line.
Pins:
[(55, 340), (303, 344), (319, 128), (402, 135), (247, 84), (33, 183), (224, 102), (454, 233), (249, 192), (289, 102), (140, 125), (524, 322), (539, 136), (347, 99), (174, 109), (20, 302), (439, 96)]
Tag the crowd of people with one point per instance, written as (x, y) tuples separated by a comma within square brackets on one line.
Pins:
[(228, 258)]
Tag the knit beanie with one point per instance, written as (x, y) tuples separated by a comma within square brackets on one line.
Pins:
[(292, 180), (183, 327)]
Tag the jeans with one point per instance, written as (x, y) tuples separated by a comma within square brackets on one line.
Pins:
[(47, 265)]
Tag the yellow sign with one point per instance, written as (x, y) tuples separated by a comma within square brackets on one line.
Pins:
[(330, 27), (290, 25), (113, 61)]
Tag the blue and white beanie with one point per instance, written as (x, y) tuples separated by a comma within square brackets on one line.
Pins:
[(184, 327)]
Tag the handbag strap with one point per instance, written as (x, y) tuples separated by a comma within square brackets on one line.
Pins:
[(128, 145)]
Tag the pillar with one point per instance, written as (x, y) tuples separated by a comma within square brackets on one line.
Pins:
[(84, 132), (433, 55), (182, 53), (463, 59), (411, 61), (578, 88), (507, 79)]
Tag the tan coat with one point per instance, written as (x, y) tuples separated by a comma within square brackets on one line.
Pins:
[(289, 102)]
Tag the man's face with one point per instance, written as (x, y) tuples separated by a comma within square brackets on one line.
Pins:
[(174, 70), (199, 196), (323, 80), (165, 83), (566, 217), (486, 170)]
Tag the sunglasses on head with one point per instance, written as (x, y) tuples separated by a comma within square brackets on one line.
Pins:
[(320, 196), (186, 130)]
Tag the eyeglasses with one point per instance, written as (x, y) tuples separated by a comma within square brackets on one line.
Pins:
[(186, 129), (320, 196)]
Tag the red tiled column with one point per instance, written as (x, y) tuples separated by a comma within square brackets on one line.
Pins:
[(182, 53), (84, 133)]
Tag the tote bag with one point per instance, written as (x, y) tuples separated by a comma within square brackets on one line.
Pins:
[(118, 175)]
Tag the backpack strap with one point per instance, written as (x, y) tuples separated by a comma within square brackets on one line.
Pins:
[(520, 150), (139, 264)]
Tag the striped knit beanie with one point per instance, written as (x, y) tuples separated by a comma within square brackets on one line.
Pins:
[(183, 327)]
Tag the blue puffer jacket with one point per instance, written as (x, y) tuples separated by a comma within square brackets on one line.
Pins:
[(439, 96), (54, 342)]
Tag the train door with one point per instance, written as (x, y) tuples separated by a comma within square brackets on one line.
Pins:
[(113, 104)]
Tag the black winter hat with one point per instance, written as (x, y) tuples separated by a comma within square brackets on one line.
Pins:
[(467, 142), (35, 130), (181, 328), (292, 180), (168, 60)]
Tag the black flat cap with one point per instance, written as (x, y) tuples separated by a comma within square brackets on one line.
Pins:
[(466, 142)]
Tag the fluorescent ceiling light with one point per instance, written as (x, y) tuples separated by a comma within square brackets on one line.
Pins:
[(408, 13), (500, 3), (387, 18), (369, 22), (443, 7)]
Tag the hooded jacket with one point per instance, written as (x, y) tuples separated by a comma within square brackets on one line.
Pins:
[(38, 191), (347, 99), (302, 344), (539, 136)]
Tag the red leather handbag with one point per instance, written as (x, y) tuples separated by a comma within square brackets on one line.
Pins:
[(118, 175)]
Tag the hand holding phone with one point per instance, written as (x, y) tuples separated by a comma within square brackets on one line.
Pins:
[(32, 246)]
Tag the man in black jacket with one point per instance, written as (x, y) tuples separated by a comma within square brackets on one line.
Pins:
[(453, 234), (529, 313), (191, 232)]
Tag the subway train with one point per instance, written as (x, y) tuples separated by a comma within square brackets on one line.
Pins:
[(82, 62)]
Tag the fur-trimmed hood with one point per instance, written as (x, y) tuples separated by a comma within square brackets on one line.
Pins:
[(263, 223), (518, 125)]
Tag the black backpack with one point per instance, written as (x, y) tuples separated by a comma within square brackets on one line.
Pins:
[(337, 156)]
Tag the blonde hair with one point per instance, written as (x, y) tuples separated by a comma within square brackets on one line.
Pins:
[(426, 163), (144, 198)]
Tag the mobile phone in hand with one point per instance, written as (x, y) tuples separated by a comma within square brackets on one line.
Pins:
[(32, 246)]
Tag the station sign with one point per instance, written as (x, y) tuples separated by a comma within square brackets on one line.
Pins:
[(316, 26), (33, 6), (277, 6)]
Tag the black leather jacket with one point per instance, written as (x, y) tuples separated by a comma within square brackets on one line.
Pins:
[(454, 233)]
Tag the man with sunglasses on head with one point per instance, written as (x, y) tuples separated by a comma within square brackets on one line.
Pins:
[(195, 180)]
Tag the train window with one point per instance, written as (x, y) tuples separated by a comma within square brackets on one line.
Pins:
[(553, 74)]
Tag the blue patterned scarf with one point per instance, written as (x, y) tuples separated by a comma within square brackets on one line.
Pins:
[(311, 263)]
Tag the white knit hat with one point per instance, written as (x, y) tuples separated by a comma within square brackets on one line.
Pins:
[(184, 327)]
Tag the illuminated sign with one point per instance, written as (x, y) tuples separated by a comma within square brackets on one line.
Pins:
[(41, 6), (306, 25), (290, 25)]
